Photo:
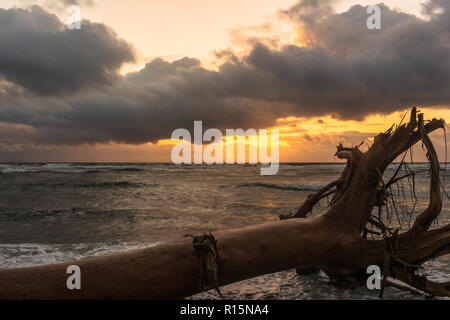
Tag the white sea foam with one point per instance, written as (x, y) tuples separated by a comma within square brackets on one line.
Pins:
[(35, 254)]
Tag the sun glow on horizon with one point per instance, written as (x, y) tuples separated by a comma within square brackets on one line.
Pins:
[(299, 135)]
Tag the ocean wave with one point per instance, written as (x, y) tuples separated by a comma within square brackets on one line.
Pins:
[(65, 168), (121, 184), (125, 169), (37, 254), (66, 213), (106, 184), (296, 187)]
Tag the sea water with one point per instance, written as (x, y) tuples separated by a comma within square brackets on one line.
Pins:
[(54, 212)]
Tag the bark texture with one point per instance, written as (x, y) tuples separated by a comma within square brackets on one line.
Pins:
[(335, 241)]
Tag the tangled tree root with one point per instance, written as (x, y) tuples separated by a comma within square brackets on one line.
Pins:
[(206, 249), (403, 254)]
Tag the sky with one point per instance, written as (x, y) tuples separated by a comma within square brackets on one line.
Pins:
[(139, 69)]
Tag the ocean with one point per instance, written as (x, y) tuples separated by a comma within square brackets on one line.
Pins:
[(54, 212)]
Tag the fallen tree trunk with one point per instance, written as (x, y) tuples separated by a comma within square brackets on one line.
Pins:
[(173, 270), (334, 241)]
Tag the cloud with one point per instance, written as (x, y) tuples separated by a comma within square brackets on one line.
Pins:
[(41, 55), (88, 3), (348, 71), (310, 12), (61, 6)]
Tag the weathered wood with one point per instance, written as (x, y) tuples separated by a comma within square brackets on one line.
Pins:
[(172, 270)]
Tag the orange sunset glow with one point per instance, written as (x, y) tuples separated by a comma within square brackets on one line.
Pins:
[(297, 136)]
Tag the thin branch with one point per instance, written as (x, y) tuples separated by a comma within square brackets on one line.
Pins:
[(424, 220), (310, 201)]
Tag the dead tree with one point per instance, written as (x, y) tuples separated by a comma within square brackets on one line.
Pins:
[(335, 241)]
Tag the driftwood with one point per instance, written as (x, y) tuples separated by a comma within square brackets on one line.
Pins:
[(335, 241)]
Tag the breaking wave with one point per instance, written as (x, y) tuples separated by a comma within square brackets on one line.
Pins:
[(297, 187)]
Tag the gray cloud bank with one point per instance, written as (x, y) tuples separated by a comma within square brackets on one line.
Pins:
[(61, 86), (41, 55)]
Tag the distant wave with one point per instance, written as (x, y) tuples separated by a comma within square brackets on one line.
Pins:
[(297, 187), (107, 184), (66, 168), (128, 169), (92, 168), (110, 184), (113, 169), (337, 165)]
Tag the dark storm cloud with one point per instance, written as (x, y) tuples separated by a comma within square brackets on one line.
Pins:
[(349, 72), (407, 62), (146, 106), (40, 54)]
